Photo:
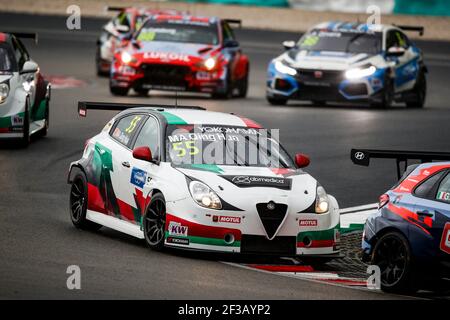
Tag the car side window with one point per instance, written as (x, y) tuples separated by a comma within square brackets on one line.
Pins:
[(126, 128), (227, 32), (425, 188), (443, 192), (19, 53), (123, 19), (396, 38), (149, 136)]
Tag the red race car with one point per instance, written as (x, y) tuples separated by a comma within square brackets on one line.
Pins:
[(182, 53)]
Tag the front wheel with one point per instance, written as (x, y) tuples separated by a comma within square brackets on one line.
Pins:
[(276, 101), (393, 256), (118, 91), (387, 95), (78, 204), (155, 222), (419, 93)]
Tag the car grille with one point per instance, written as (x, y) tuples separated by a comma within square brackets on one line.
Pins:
[(357, 89), (271, 219), (165, 75), (308, 76), (260, 244)]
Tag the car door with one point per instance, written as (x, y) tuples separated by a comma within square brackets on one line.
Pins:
[(119, 191), (433, 208), (142, 172), (405, 66)]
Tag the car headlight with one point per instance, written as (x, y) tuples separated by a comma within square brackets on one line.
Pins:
[(322, 204), (210, 64), (281, 67), (359, 73), (4, 91), (126, 57), (204, 196)]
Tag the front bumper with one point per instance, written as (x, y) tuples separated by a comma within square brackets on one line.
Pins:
[(243, 231), (168, 77), (324, 85)]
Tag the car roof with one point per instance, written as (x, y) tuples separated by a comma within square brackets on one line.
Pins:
[(180, 116), (345, 26)]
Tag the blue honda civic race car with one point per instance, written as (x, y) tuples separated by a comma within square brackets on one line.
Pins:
[(350, 62), (409, 236)]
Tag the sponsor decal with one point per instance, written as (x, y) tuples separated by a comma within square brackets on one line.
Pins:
[(227, 219), (258, 181), (176, 229), (17, 120), (443, 195), (308, 223), (445, 241), (138, 177), (173, 240), (166, 56)]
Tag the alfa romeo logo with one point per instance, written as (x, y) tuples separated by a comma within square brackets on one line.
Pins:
[(271, 205), (241, 179), (359, 155)]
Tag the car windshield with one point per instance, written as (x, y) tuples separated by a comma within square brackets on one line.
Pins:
[(225, 145), (6, 64), (352, 42), (179, 31)]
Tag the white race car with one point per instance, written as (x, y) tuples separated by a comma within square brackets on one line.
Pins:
[(24, 93), (193, 179)]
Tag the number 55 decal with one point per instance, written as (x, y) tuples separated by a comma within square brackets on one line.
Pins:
[(445, 241), (185, 147)]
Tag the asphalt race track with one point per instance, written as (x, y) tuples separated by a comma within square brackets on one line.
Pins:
[(38, 241)]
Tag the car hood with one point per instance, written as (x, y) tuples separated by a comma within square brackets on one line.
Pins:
[(320, 60), (236, 184), (162, 51)]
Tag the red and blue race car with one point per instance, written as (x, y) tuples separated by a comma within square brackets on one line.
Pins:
[(182, 53), (409, 236)]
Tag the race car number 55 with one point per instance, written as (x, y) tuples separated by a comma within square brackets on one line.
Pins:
[(445, 241)]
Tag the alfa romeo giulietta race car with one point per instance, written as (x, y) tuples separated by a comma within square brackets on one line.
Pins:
[(182, 53), (24, 93), (350, 62), (409, 236), (149, 174), (118, 29)]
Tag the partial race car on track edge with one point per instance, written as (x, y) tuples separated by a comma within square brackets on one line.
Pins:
[(137, 176), (409, 236), (24, 93)]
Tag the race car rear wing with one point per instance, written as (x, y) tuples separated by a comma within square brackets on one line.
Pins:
[(113, 8), (237, 22), (418, 29), (83, 106), (25, 35), (362, 156)]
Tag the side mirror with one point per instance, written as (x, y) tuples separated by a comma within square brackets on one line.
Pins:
[(395, 52), (122, 28), (301, 160), (143, 153), (231, 44), (288, 45), (29, 67)]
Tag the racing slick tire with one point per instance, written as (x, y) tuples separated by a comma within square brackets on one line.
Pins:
[(276, 101), (243, 86), (141, 91), (387, 96), (26, 139), (78, 204), (155, 222), (118, 91), (419, 92), (393, 255)]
